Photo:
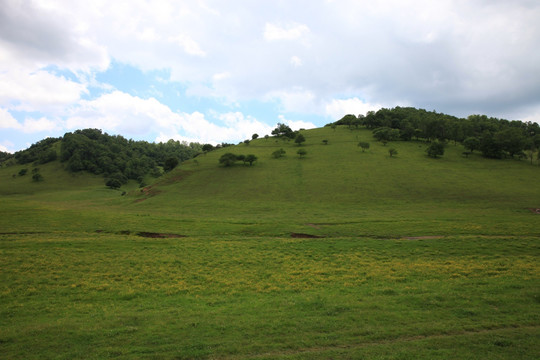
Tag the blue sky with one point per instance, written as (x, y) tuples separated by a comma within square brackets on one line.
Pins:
[(215, 71)]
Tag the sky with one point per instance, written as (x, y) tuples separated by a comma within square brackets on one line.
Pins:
[(214, 71)]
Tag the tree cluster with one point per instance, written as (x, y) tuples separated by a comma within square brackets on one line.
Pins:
[(494, 138), (120, 159), (41, 152), (229, 159)]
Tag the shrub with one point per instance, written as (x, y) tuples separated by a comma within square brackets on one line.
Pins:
[(278, 153)]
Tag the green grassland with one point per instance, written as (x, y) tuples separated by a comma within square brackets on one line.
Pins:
[(409, 257)]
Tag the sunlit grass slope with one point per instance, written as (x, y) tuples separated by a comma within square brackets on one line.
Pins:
[(339, 190)]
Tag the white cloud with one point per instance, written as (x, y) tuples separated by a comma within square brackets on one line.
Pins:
[(295, 100), (131, 116), (296, 124), (452, 56), (189, 45), (273, 32), (38, 90), (6, 146), (7, 121), (296, 61), (42, 124), (337, 108)]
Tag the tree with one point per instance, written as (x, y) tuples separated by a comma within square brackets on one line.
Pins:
[(363, 145), (254, 136), (392, 152), (301, 152), (228, 159), (37, 177), (241, 158), (435, 149), (325, 142), (385, 134), (471, 143), (170, 163), (23, 172), (113, 183), (299, 139), (246, 142), (250, 159), (283, 130), (207, 147), (278, 153)]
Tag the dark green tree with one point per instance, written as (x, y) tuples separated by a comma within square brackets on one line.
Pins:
[(113, 183), (471, 143), (392, 152), (254, 136), (299, 139), (207, 147), (301, 152), (228, 159), (363, 145), (435, 149), (250, 158), (283, 130), (37, 177), (170, 163)]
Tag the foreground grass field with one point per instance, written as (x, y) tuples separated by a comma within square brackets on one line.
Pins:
[(408, 258)]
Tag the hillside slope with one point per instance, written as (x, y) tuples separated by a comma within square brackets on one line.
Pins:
[(337, 189)]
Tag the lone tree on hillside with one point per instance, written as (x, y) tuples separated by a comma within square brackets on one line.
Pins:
[(254, 136), (301, 153), (250, 159), (392, 152), (363, 145), (228, 159), (299, 139), (435, 149)]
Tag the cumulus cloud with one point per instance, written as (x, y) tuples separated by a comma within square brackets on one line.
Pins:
[(37, 90), (132, 116), (458, 57), (273, 32), (338, 108), (7, 121), (296, 124)]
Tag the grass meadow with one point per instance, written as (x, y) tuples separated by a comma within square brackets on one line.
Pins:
[(342, 254)]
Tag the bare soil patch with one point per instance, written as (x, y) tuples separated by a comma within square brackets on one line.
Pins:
[(423, 237), (305, 236), (159, 235)]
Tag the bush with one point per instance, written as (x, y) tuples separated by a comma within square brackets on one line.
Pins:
[(23, 172), (278, 153)]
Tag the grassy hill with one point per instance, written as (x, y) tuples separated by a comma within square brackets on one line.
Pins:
[(340, 254)]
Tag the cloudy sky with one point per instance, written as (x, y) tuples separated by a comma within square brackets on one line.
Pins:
[(219, 71)]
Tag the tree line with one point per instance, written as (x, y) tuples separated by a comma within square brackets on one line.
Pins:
[(493, 137), (113, 156)]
